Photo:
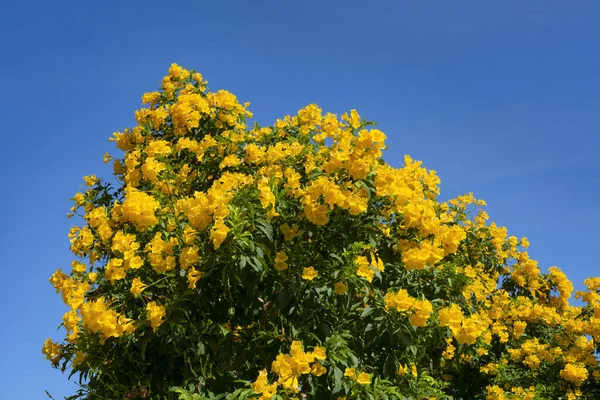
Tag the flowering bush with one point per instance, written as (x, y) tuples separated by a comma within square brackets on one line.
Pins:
[(290, 261)]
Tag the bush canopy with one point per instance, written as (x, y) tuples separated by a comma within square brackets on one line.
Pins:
[(230, 261)]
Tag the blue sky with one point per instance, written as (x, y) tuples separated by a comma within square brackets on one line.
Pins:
[(501, 98)]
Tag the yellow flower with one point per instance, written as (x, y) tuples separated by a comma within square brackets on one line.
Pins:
[(158, 147), (92, 276), (403, 369), (318, 369), (137, 286), (309, 273), (280, 261), (193, 277), (339, 288), (495, 393), (350, 373), (155, 314), (51, 350), (219, 232), (400, 301), (364, 270), (150, 98), (423, 309), (230, 161), (189, 235), (289, 232), (90, 180), (320, 353), (364, 378), (78, 267), (449, 352), (189, 257), (138, 208), (261, 382), (575, 373)]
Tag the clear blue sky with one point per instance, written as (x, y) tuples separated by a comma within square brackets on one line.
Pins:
[(502, 98)]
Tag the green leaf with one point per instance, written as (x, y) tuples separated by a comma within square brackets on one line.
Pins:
[(367, 311), (338, 379), (256, 264), (243, 261), (284, 298), (412, 349), (200, 349), (266, 228)]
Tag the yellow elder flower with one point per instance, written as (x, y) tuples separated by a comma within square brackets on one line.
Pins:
[(309, 273), (155, 314), (519, 329), (451, 316), (158, 147), (176, 72), (316, 213), (90, 180), (151, 168), (423, 311), (78, 266), (401, 301), (261, 383), (289, 232), (76, 295), (320, 353), (363, 378), (449, 352), (193, 277), (92, 276), (377, 263), (189, 235), (350, 373), (150, 98), (318, 369), (353, 120), (79, 198), (230, 161), (339, 288), (219, 232), (495, 393), (592, 284), (51, 350), (114, 270), (137, 286), (98, 318), (574, 373), (403, 369), (138, 208), (189, 257), (364, 270), (280, 261)]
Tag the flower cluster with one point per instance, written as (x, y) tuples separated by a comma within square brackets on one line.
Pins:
[(402, 302), (289, 368)]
